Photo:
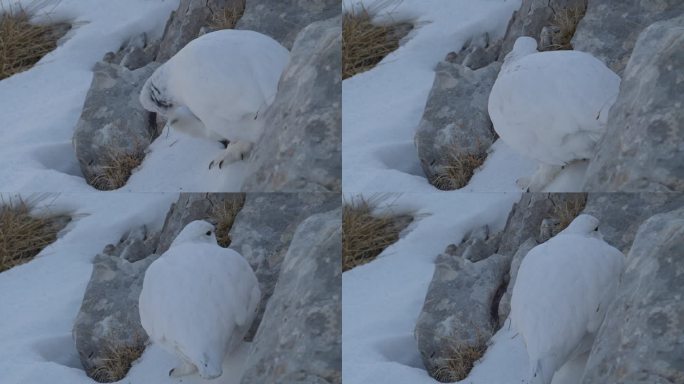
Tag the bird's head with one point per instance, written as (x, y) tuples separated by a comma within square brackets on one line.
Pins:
[(198, 231), (523, 46), (584, 224)]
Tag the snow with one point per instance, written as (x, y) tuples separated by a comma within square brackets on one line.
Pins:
[(224, 78), (198, 301), (579, 274), (381, 300), (39, 300), (41, 107)]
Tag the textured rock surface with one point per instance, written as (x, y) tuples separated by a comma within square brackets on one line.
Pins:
[(610, 28), (135, 53), (455, 121), (505, 303), (300, 337), (264, 228), (282, 20), (185, 23), (301, 145), (642, 148), (476, 53), (457, 312), (641, 338), (113, 122), (109, 312), (621, 214), (532, 17)]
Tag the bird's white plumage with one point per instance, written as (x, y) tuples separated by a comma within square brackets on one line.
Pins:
[(224, 78), (198, 300), (561, 294), (552, 106)]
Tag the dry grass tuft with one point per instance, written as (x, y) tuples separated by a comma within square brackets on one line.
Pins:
[(566, 211), (224, 214), (117, 362), (461, 362), (24, 233), (565, 22), (458, 171), (22, 43), (365, 44), (227, 18), (365, 234), (118, 169)]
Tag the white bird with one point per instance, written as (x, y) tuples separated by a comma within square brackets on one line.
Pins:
[(216, 86), (551, 106), (198, 300), (561, 294)]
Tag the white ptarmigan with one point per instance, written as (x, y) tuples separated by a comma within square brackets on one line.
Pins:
[(551, 106), (561, 294), (223, 79), (198, 300)]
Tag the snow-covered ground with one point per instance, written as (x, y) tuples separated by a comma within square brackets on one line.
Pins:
[(381, 110), (39, 108)]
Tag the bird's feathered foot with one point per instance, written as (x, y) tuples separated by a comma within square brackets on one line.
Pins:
[(235, 151)]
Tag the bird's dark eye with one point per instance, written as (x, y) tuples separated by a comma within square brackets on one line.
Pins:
[(208, 233), (596, 229)]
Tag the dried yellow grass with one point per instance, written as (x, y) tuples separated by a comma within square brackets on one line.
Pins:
[(22, 43), (24, 233), (460, 363), (227, 18), (117, 361), (366, 234), (117, 169), (566, 211), (566, 21), (365, 44), (224, 214), (458, 170)]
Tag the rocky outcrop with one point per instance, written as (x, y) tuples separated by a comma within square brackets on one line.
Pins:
[(282, 20), (457, 313), (264, 228), (455, 123), (610, 29), (641, 150), (109, 317), (531, 19), (135, 53), (640, 339), (300, 148), (187, 21), (504, 308), (113, 124), (299, 340), (621, 214)]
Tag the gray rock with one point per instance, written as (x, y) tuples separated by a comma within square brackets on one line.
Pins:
[(532, 17), (135, 53), (476, 53), (264, 228), (455, 122), (109, 317), (282, 20), (112, 123), (458, 308), (610, 28), (299, 340), (300, 149), (187, 20), (640, 340), (621, 214), (505, 303), (642, 149), (188, 208)]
